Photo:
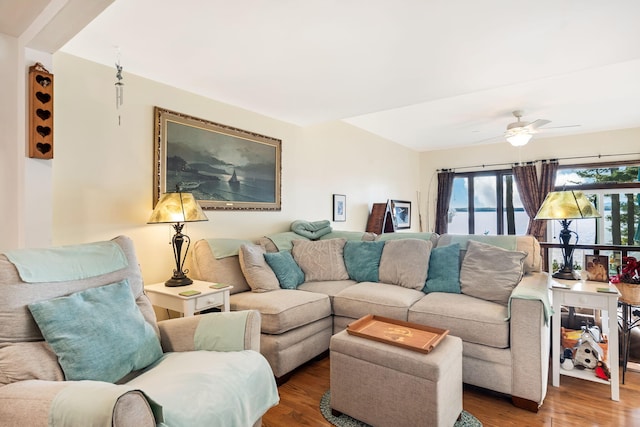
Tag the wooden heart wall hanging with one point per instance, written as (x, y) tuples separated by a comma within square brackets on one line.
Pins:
[(40, 112)]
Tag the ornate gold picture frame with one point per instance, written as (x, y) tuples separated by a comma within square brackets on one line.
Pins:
[(224, 167)]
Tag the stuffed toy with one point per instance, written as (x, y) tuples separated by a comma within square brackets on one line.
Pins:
[(586, 356)]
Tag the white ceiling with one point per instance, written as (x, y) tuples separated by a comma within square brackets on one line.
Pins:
[(427, 74)]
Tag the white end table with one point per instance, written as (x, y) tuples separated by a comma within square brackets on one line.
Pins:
[(170, 298), (584, 293)]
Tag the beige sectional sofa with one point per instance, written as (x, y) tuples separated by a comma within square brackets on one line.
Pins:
[(500, 308)]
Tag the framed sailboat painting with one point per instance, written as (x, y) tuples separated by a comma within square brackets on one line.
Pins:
[(222, 166)]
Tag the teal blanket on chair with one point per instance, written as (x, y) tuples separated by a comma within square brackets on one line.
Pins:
[(91, 403), (203, 388), (64, 263)]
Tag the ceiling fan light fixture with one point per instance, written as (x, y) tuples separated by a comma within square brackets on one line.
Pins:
[(519, 139)]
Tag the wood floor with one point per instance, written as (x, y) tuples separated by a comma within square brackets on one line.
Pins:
[(575, 403)]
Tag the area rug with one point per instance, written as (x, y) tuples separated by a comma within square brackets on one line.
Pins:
[(467, 420)]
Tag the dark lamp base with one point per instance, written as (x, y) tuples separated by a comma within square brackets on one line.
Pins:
[(178, 281), (565, 275)]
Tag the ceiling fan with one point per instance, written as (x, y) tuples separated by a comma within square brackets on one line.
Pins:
[(519, 133)]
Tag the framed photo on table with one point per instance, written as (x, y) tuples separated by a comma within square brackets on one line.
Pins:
[(401, 211), (597, 268), (339, 208), (222, 166)]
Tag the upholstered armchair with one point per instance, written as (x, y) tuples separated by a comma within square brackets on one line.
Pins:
[(80, 345)]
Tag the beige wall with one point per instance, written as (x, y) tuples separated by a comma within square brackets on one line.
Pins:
[(102, 172), (605, 144), (25, 184), (10, 153)]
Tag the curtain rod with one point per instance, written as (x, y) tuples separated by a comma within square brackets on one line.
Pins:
[(599, 156)]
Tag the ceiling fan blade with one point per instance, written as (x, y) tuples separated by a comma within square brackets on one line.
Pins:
[(487, 140), (537, 124), (561, 127)]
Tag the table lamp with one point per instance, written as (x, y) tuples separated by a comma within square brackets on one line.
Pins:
[(566, 206), (178, 208)]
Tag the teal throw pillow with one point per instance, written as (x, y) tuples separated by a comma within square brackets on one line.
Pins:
[(444, 270), (289, 274), (363, 260), (98, 334)]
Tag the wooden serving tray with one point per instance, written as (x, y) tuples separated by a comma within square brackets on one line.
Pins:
[(397, 332)]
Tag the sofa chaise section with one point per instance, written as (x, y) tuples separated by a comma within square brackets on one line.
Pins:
[(296, 325)]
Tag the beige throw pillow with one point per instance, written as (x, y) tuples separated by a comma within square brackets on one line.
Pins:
[(259, 275), (405, 262), (321, 259), (490, 273)]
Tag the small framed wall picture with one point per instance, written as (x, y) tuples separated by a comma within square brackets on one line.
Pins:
[(401, 211), (597, 267), (339, 208)]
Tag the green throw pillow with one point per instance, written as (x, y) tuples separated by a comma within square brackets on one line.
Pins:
[(363, 260), (98, 334), (286, 269), (444, 270)]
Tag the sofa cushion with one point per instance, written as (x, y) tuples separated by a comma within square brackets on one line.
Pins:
[(444, 271), (205, 266), (375, 298), (472, 319), (526, 243), (490, 273), (321, 260), (327, 287), (363, 260), (104, 350), (288, 350), (257, 272), (284, 309), (28, 361), (405, 263), (288, 273)]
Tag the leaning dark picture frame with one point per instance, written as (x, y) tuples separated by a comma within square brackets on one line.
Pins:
[(401, 211), (225, 168)]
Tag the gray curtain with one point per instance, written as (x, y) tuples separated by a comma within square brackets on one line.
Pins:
[(445, 188), (532, 192)]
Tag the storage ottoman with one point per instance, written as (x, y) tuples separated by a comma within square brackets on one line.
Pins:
[(385, 385)]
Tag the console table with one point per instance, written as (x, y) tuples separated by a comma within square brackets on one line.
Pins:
[(584, 293)]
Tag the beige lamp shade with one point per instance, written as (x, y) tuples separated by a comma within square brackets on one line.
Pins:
[(567, 205), (177, 207)]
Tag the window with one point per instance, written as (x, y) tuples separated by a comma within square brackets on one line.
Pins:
[(615, 190), (486, 203)]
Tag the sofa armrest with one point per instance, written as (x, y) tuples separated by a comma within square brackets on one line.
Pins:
[(530, 340), (28, 403), (180, 334)]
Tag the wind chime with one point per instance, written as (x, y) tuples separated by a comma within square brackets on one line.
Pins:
[(119, 86)]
